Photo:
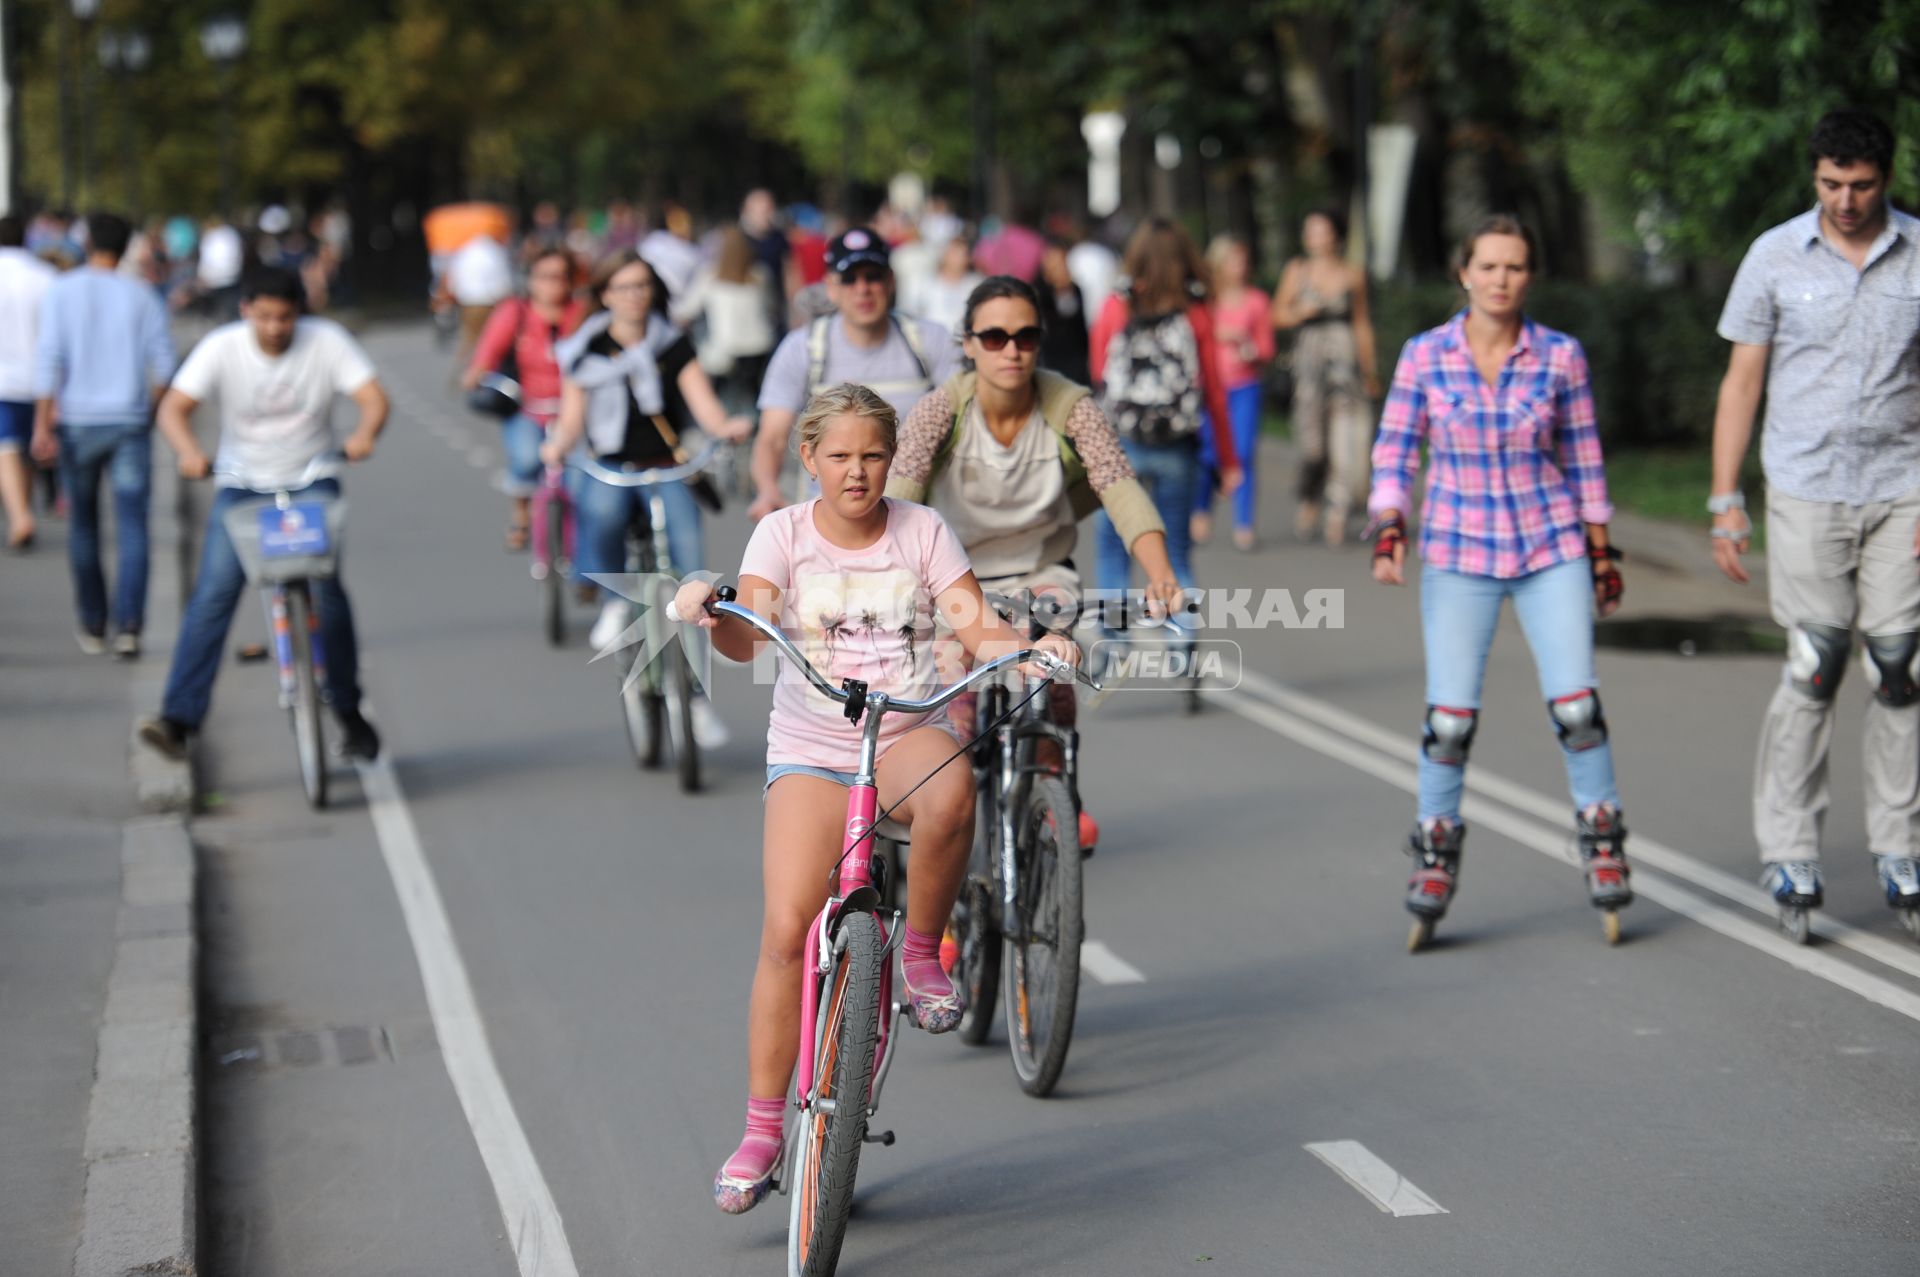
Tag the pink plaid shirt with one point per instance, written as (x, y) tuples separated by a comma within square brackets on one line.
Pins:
[(1514, 472)]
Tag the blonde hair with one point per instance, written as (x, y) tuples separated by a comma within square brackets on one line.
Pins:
[(1221, 248), (847, 400)]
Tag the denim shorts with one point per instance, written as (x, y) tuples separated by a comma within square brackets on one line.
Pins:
[(776, 770), (16, 425)]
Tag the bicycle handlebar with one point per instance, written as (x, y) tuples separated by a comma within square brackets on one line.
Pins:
[(647, 478), (723, 605), (312, 472)]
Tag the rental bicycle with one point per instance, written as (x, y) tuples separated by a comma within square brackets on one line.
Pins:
[(656, 678), (286, 543), (847, 1012), (1020, 917)]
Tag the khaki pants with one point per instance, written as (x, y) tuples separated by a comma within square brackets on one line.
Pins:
[(1848, 567)]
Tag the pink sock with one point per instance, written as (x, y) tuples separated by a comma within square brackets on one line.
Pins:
[(920, 964), (761, 1145)]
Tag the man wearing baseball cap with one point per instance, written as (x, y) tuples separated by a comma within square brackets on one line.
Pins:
[(864, 341)]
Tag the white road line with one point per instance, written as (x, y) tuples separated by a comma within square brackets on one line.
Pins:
[(1385, 1187), (533, 1220), (1106, 966), (1553, 844), (1645, 851)]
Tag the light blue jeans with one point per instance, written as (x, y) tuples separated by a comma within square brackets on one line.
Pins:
[(520, 438), (1458, 614)]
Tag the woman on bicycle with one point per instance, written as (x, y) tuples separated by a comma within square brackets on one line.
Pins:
[(855, 579), (1156, 368), (1515, 508), (530, 328), (1014, 457), (630, 384)]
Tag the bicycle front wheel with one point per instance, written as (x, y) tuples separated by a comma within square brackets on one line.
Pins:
[(642, 710), (832, 1130), (555, 580), (1043, 940), (974, 925), (309, 739), (679, 684)]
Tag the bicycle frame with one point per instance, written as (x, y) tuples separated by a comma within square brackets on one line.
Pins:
[(854, 890), (275, 596), (552, 488)]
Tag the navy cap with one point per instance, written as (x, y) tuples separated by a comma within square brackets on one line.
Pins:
[(855, 246)]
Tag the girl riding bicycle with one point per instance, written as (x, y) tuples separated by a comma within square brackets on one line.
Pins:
[(855, 579), (527, 330), (1014, 457), (630, 384)]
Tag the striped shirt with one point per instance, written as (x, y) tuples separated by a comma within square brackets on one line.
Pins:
[(1513, 471), (1843, 368)]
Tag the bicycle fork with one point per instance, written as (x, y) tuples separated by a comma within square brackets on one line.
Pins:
[(280, 624)]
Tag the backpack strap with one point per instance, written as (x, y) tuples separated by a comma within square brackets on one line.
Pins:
[(910, 333), (817, 353)]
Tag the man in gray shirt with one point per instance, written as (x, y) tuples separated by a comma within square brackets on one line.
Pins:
[(896, 356), (1825, 316)]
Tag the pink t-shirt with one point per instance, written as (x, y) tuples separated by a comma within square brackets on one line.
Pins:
[(865, 614), (1248, 320)]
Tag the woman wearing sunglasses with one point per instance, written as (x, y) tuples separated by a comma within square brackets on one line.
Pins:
[(1014, 457)]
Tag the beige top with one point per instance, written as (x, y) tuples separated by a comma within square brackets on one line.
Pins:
[(1007, 503)]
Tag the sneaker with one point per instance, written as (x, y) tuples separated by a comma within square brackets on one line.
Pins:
[(359, 741), (1794, 882), (90, 643), (1900, 877), (126, 645), (709, 729), (608, 626), (1089, 833), (165, 737)]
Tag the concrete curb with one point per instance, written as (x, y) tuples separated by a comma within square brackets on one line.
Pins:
[(141, 1209), (142, 1191)]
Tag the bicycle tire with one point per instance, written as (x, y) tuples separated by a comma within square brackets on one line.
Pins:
[(979, 969), (555, 581), (642, 712), (309, 734), (680, 688), (829, 1143), (1042, 965)]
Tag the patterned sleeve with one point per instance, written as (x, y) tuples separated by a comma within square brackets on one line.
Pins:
[(1577, 439), (920, 436), (1098, 444), (1403, 425)]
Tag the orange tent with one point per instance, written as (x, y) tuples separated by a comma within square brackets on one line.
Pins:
[(450, 226)]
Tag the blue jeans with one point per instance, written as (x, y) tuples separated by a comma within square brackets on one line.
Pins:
[(1243, 413), (1458, 614), (216, 591), (123, 453), (603, 510), (520, 438), (1167, 472)]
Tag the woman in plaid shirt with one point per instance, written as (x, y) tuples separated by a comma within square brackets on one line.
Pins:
[(1515, 508)]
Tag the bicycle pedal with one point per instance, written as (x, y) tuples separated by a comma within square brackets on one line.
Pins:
[(882, 1138)]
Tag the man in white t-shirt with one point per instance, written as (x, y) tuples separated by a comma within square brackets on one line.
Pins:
[(275, 376), (479, 277), (865, 341)]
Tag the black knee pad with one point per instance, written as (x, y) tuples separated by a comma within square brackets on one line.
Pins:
[(1890, 657), (1578, 721), (1448, 737), (1817, 658)]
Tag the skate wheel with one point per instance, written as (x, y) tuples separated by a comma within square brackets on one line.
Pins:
[(1610, 925), (1795, 925), (1418, 934)]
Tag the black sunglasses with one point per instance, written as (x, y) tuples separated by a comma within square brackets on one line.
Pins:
[(1027, 339)]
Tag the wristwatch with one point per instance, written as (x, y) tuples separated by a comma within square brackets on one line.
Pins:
[(1722, 502)]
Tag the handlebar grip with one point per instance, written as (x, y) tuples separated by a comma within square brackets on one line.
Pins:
[(673, 610), (726, 594)]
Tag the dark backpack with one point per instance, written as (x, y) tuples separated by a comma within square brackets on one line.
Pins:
[(1152, 379)]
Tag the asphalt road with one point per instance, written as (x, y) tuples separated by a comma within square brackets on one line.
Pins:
[(1689, 1101)]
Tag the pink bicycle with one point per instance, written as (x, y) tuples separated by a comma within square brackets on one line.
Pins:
[(552, 519), (847, 1010)]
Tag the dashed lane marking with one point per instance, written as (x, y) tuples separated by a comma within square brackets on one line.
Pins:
[(1378, 1182), (1106, 966)]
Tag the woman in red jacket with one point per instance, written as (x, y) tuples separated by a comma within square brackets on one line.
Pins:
[(1156, 365), (529, 327)]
